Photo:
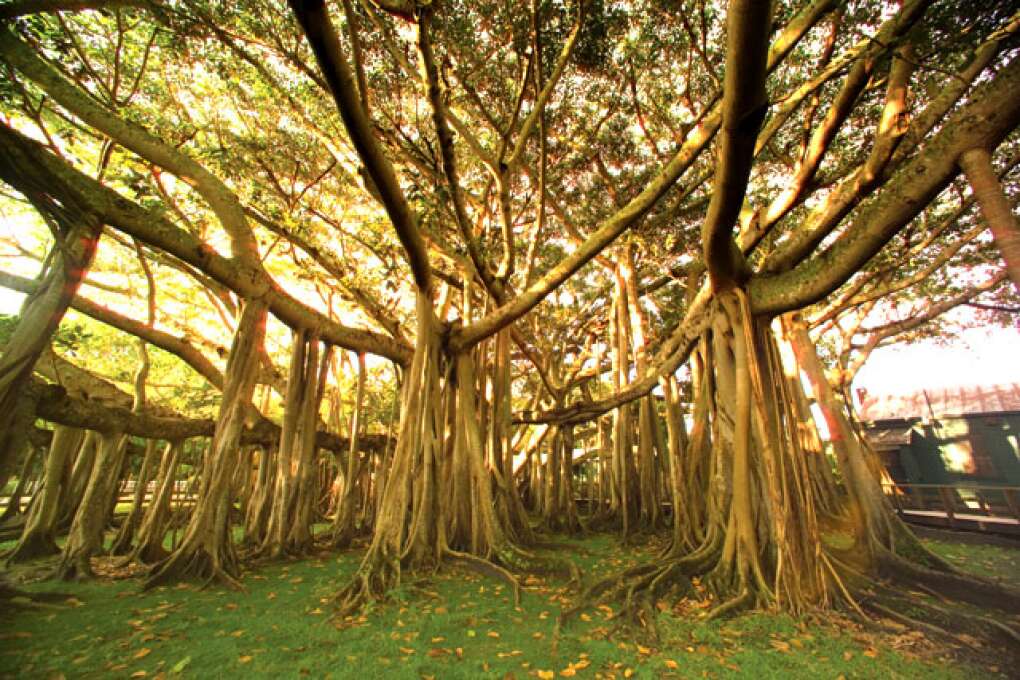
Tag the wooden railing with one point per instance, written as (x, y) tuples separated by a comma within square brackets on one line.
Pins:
[(963, 506)]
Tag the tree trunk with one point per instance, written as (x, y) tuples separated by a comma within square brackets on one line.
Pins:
[(37, 539), (86, 536), (125, 534), (206, 550), (40, 315), (343, 521), (79, 479), (152, 530), (13, 508)]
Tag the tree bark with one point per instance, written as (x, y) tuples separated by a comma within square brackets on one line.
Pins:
[(206, 550), (996, 207)]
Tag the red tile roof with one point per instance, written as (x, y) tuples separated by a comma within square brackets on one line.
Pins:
[(957, 400)]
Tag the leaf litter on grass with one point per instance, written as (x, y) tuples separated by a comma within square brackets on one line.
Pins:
[(454, 625)]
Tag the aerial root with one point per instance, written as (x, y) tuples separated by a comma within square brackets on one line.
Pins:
[(487, 568), (76, 567), (972, 589), (742, 601), (35, 546), (370, 584), (196, 564)]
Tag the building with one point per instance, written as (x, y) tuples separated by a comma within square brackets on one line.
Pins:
[(951, 452)]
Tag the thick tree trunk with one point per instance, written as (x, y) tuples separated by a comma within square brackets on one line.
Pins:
[(86, 536), (877, 529), (760, 541), (206, 550), (37, 539), (40, 315), (438, 500), (149, 546), (290, 518)]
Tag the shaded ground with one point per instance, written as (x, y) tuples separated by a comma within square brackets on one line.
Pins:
[(454, 625)]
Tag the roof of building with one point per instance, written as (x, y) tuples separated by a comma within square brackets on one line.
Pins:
[(889, 438), (948, 401)]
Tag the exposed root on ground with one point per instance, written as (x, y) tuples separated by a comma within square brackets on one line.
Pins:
[(196, 564)]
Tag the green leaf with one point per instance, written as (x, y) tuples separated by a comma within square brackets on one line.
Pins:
[(179, 666)]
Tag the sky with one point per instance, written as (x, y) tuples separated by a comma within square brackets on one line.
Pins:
[(984, 355)]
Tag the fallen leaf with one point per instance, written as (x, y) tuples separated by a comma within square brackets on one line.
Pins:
[(243, 659), (781, 646), (644, 650), (139, 674), (237, 633), (493, 634), (546, 675), (406, 650), (142, 653), (180, 665), (671, 664), (871, 652), (568, 672)]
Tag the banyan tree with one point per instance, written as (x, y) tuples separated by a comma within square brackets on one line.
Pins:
[(450, 276)]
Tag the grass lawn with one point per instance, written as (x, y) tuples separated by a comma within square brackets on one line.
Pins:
[(455, 624)]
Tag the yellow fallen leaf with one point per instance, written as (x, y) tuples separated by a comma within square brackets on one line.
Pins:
[(139, 674), (582, 664), (671, 664), (546, 675), (493, 634), (237, 633), (406, 650), (644, 650), (848, 655), (568, 672), (781, 646), (871, 652), (243, 659), (142, 653), (628, 672)]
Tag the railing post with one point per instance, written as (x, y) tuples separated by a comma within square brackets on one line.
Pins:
[(1011, 501), (895, 489), (947, 504)]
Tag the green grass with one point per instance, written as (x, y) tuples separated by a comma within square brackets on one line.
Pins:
[(984, 560), (455, 624)]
